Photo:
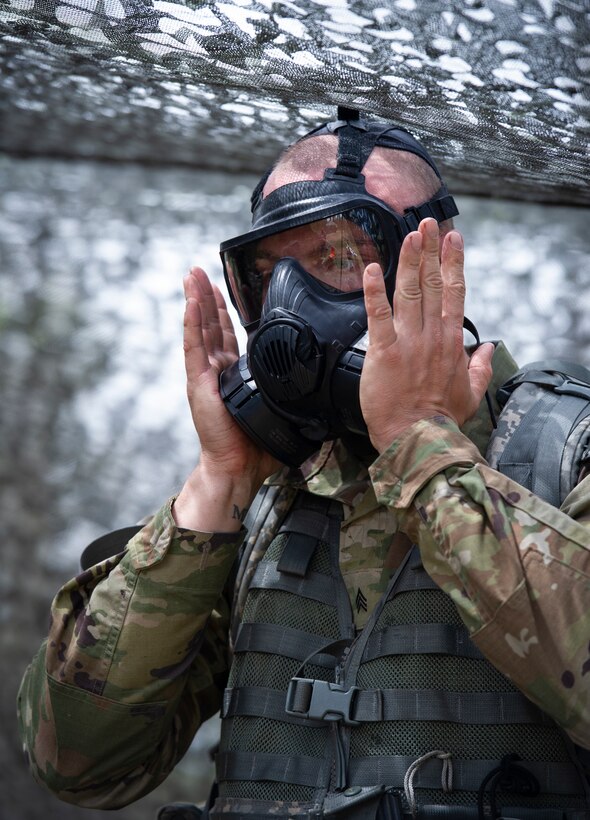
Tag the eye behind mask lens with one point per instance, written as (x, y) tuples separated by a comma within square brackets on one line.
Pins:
[(335, 251)]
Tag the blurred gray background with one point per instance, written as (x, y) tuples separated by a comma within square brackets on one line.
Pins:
[(94, 428)]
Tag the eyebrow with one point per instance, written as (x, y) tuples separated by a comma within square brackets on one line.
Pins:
[(315, 248), (265, 255)]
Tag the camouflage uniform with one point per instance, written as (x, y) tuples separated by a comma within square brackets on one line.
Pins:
[(138, 652)]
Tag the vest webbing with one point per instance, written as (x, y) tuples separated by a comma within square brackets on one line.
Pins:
[(408, 688)]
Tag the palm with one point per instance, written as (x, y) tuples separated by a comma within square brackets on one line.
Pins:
[(210, 347)]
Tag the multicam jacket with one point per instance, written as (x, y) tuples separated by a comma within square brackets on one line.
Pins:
[(138, 653)]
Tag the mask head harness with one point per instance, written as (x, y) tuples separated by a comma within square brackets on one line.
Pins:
[(296, 281)]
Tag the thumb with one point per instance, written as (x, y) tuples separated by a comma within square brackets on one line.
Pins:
[(480, 369)]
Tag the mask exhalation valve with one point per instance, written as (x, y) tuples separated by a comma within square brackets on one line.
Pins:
[(285, 359)]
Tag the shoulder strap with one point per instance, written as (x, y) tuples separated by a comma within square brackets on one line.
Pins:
[(558, 374), (262, 521)]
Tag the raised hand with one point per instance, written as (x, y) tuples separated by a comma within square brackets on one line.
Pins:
[(416, 366), (232, 467)]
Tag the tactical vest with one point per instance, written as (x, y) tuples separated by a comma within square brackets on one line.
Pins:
[(405, 719)]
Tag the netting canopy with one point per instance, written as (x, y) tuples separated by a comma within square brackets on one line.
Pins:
[(498, 89)]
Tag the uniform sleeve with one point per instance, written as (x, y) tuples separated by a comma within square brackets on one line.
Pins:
[(135, 661), (517, 568)]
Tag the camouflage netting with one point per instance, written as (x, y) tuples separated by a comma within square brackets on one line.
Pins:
[(497, 88)]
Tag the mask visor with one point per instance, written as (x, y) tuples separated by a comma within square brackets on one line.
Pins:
[(334, 251)]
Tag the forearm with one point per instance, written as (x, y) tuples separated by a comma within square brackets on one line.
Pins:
[(136, 660), (130, 634), (517, 569)]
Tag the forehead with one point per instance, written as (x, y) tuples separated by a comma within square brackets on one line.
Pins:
[(276, 244), (307, 237)]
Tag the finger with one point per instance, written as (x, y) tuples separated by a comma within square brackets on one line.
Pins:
[(230, 342), (195, 284), (431, 281), (452, 267), (209, 314), (196, 359), (407, 298), (480, 370), (379, 316), (191, 284)]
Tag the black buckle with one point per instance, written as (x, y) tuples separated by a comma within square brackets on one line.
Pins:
[(440, 209), (572, 387), (412, 218), (326, 701)]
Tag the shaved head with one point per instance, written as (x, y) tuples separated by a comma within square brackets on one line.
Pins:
[(399, 178)]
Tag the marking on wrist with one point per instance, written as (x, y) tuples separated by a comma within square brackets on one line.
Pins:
[(239, 514)]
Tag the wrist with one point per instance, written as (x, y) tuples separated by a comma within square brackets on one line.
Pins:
[(383, 440), (214, 501)]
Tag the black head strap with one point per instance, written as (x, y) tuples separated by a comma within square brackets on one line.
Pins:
[(353, 150), (442, 206), (353, 146), (370, 133), (356, 139)]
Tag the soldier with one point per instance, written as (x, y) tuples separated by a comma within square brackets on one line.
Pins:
[(410, 630)]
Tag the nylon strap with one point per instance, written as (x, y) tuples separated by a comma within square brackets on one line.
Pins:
[(282, 640), (256, 766), (308, 522), (355, 656), (454, 707), (548, 371), (421, 639), (270, 504), (376, 705), (260, 701), (297, 554), (355, 144), (557, 778), (313, 586), (415, 581), (441, 209)]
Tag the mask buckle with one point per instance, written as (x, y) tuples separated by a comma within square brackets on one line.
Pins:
[(439, 208)]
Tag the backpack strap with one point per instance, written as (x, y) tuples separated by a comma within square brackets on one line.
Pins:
[(262, 521), (562, 376)]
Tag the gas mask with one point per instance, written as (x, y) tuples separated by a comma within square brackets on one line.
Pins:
[(296, 282)]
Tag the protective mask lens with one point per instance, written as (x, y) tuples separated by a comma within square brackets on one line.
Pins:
[(334, 250)]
